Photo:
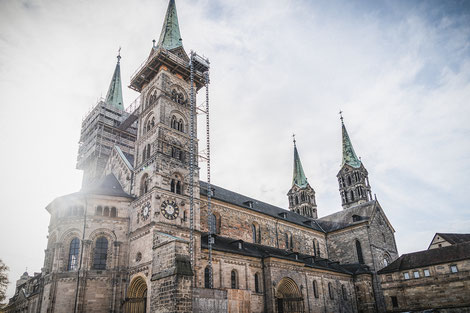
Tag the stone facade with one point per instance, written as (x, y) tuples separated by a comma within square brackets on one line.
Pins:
[(123, 243), (436, 279)]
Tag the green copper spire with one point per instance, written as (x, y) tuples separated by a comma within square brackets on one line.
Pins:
[(349, 156), (170, 37), (114, 96), (299, 178)]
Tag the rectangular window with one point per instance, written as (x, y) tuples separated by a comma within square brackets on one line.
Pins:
[(406, 275), (427, 273), (454, 269), (416, 274), (394, 301)]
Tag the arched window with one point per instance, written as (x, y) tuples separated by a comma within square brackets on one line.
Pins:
[(74, 248), (148, 151), (207, 282), (113, 212), (349, 180), (286, 240), (106, 211), (99, 210), (344, 293), (144, 185), (178, 187), (172, 185), (213, 224), (352, 195), (383, 237), (253, 233), (315, 247), (386, 260), (360, 258), (315, 289), (257, 289), (291, 246), (100, 254), (234, 279), (296, 200), (144, 154), (180, 126), (173, 122), (331, 291)]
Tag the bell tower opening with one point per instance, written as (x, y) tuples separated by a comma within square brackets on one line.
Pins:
[(301, 196)]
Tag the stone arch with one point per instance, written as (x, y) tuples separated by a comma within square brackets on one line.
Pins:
[(136, 300), (65, 240), (179, 117), (149, 122), (111, 238), (151, 97), (288, 297), (178, 94)]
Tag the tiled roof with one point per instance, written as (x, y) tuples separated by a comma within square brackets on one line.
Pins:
[(230, 245), (344, 218), (454, 238), (108, 186), (231, 197), (424, 258)]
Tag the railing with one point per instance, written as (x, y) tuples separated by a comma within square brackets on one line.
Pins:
[(134, 106)]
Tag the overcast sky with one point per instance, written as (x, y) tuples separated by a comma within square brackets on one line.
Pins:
[(400, 71)]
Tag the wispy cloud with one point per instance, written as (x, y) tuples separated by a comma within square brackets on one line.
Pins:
[(400, 71)]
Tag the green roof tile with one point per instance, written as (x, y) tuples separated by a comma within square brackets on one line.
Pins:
[(349, 156), (299, 177), (114, 96), (170, 37)]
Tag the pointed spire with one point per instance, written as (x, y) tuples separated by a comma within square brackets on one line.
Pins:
[(299, 178), (349, 156), (170, 37), (114, 95)]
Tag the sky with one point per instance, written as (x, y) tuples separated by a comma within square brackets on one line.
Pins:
[(399, 70)]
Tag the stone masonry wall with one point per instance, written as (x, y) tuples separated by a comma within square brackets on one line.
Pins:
[(442, 289)]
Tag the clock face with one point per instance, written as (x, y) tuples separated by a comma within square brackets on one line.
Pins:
[(145, 211), (170, 209)]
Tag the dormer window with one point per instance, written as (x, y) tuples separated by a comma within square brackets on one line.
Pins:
[(283, 214), (249, 204), (356, 218)]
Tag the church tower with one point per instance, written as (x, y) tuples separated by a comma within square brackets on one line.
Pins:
[(301, 195), (102, 129), (353, 177), (161, 213)]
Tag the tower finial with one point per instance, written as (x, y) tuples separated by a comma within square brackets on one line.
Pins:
[(170, 37), (293, 136), (341, 115), (119, 55)]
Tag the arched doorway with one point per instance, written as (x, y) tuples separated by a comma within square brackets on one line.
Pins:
[(136, 301), (288, 297)]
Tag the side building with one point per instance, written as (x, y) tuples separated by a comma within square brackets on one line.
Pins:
[(433, 280)]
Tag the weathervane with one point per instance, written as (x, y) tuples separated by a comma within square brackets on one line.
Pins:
[(341, 115), (119, 54)]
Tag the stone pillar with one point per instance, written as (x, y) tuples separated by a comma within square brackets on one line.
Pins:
[(172, 275)]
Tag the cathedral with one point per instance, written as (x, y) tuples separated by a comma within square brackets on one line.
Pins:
[(144, 234)]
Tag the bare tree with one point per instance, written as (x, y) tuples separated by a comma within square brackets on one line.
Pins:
[(3, 281)]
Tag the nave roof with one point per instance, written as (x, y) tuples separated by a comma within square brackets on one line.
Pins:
[(237, 199), (230, 245)]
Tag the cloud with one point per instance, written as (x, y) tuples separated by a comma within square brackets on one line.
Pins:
[(400, 71)]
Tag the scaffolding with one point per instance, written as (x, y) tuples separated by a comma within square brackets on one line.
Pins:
[(101, 130), (199, 64)]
